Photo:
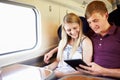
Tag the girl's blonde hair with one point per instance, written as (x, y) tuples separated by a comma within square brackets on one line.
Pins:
[(69, 18)]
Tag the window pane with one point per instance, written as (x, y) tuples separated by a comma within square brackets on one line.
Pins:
[(17, 28)]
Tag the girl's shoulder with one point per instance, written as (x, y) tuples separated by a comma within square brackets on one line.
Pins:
[(85, 38)]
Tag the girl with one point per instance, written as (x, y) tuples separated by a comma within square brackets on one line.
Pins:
[(73, 45)]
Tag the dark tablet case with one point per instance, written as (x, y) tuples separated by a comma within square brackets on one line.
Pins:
[(75, 63)]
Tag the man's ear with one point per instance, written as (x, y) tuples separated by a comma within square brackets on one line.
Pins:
[(106, 15)]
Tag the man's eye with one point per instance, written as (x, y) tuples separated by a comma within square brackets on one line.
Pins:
[(74, 28), (95, 20)]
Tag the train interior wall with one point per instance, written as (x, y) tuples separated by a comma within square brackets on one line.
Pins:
[(51, 13)]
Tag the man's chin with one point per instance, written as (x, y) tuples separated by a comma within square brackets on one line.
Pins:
[(97, 32)]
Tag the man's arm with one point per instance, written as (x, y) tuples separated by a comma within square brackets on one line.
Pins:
[(97, 70), (112, 72)]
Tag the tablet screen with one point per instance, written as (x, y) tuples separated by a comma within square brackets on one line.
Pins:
[(75, 63)]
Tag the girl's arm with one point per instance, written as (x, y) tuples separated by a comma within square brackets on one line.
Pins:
[(53, 65), (87, 50), (50, 54)]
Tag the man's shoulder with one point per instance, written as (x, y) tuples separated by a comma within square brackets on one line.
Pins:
[(118, 28), (115, 28)]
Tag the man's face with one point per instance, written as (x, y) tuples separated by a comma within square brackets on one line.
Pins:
[(97, 22)]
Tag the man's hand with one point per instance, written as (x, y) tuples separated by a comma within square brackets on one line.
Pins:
[(94, 69)]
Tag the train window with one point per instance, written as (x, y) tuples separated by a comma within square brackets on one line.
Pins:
[(18, 28)]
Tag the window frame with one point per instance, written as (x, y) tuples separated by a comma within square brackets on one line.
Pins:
[(36, 24)]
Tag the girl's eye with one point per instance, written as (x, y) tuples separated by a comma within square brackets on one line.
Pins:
[(89, 22), (68, 30)]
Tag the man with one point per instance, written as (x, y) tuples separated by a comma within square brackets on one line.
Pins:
[(106, 42)]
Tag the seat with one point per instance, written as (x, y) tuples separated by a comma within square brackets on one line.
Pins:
[(114, 17)]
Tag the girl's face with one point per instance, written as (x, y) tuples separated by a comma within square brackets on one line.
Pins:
[(72, 29)]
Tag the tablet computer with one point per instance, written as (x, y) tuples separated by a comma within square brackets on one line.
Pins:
[(75, 63)]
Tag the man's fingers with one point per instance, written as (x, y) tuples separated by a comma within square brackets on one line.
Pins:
[(86, 67), (83, 71)]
